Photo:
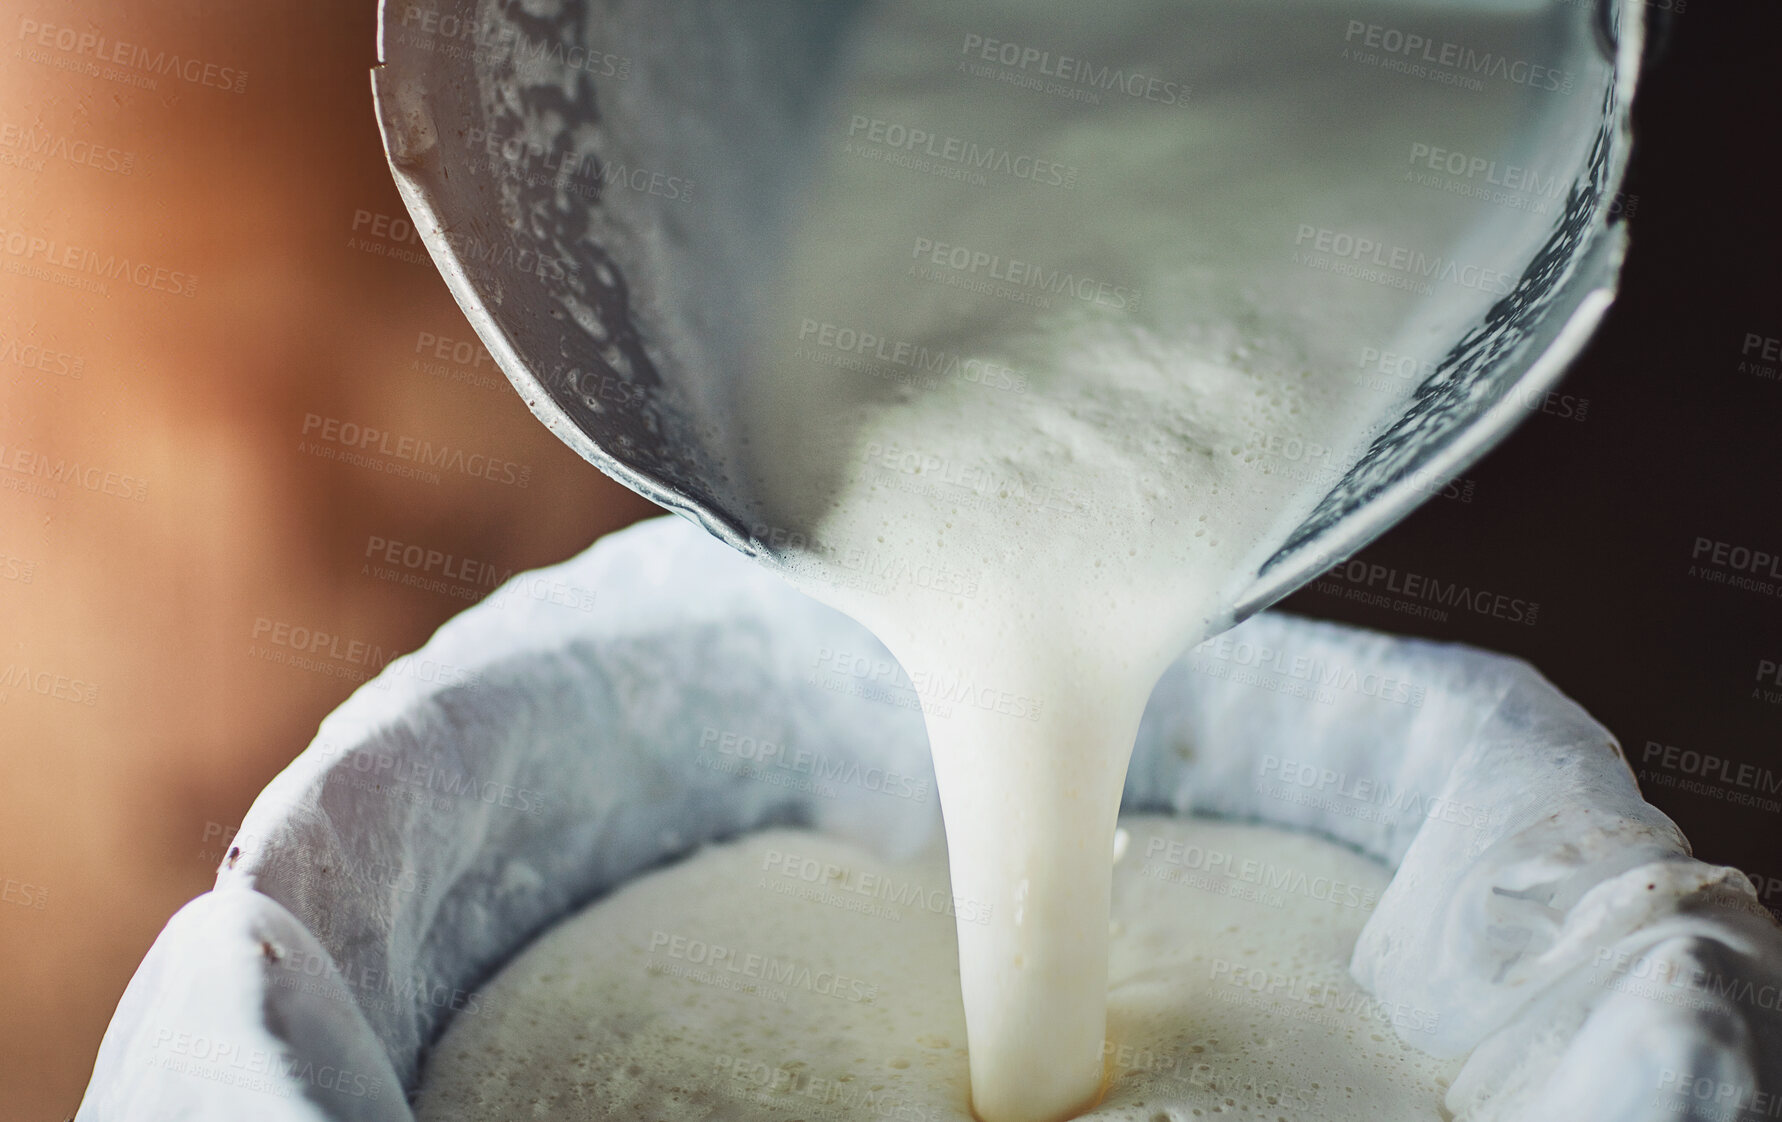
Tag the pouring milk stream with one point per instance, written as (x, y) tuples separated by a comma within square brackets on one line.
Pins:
[(1072, 496), (1033, 370), (1059, 349)]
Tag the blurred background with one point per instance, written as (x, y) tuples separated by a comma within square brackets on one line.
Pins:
[(163, 515)]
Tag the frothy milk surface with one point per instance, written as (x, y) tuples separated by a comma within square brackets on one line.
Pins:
[(1067, 334), (1044, 378), (791, 976)]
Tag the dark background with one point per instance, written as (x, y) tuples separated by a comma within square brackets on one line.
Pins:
[(1596, 519)]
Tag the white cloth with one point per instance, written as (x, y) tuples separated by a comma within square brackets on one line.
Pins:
[(533, 755)]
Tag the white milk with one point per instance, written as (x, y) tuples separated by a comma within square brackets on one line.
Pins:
[(789, 976), (1138, 385), (1069, 335)]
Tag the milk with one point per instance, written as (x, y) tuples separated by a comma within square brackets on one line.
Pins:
[(1070, 332), (1034, 399), (789, 975)]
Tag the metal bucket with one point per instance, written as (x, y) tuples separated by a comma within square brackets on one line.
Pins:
[(516, 130)]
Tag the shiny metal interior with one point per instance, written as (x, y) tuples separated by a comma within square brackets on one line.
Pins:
[(475, 95)]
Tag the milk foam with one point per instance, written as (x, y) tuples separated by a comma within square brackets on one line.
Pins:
[(1066, 340), (788, 975), (1039, 433)]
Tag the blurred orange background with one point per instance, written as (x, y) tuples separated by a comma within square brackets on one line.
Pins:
[(114, 812)]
